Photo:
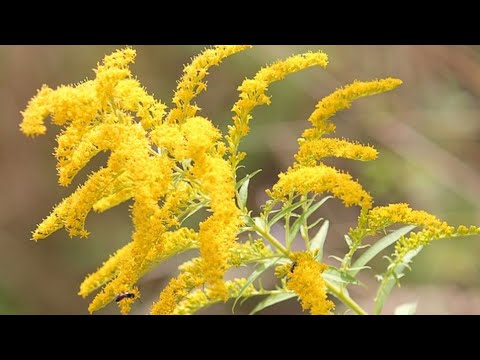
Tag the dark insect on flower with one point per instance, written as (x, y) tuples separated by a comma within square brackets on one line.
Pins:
[(127, 295), (294, 265)]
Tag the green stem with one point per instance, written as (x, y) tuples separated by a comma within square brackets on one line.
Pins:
[(333, 289), (304, 225), (273, 241), (347, 300), (287, 229)]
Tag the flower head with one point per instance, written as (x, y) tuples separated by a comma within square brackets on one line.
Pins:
[(319, 179), (307, 281)]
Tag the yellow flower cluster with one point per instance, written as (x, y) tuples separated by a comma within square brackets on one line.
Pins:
[(319, 179), (342, 99), (253, 94), (381, 217), (307, 281), (172, 162), (309, 174), (191, 84), (175, 295), (200, 299), (311, 151), (114, 113)]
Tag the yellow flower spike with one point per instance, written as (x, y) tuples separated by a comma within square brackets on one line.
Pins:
[(121, 272), (242, 253), (106, 272), (72, 212), (120, 194), (199, 299), (179, 287), (219, 231), (319, 179), (313, 150), (77, 105), (307, 282), (341, 99), (282, 270), (113, 69), (169, 137), (424, 237), (200, 135), (66, 103), (382, 216), (191, 84), (74, 157), (126, 303), (36, 112), (53, 221), (177, 297), (171, 243), (129, 95), (252, 94), (151, 244)]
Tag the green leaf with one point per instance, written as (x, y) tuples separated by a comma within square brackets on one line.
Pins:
[(260, 223), (247, 178), (284, 211), (315, 223), (348, 240), (380, 245), (193, 210), (304, 217), (243, 194), (338, 277), (243, 189), (389, 280), (254, 276), (336, 258), (272, 300), (406, 309), (319, 240)]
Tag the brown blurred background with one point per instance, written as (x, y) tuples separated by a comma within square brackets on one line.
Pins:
[(427, 132)]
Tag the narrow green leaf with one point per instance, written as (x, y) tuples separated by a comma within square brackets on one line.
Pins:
[(315, 223), (360, 268), (319, 240), (272, 300), (242, 187), (380, 245), (260, 223), (336, 258), (254, 276), (406, 309), (284, 211), (348, 241), (390, 280), (243, 194), (248, 177), (304, 217), (338, 277), (194, 209)]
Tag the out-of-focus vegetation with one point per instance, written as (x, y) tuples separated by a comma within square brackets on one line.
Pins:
[(427, 133)]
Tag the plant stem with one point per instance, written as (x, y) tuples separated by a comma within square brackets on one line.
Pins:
[(272, 241), (340, 294), (304, 226), (335, 290)]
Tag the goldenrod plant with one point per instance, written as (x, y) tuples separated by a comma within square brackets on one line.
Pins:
[(171, 162)]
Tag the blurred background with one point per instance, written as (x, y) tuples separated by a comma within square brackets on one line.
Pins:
[(427, 132)]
